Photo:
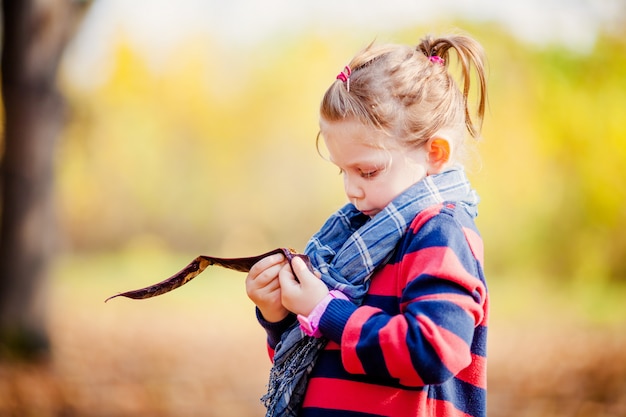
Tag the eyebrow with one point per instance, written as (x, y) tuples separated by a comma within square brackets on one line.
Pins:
[(378, 164)]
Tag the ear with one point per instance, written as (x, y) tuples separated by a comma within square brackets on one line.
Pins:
[(439, 152)]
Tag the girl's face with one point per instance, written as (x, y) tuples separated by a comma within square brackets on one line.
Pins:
[(373, 176)]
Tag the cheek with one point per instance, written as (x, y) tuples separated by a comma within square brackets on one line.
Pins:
[(382, 194)]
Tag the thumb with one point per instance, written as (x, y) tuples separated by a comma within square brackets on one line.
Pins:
[(300, 269), (287, 277)]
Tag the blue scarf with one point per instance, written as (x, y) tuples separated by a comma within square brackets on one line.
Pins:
[(347, 251)]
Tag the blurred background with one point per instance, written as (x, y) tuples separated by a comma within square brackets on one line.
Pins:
[(138, 135)]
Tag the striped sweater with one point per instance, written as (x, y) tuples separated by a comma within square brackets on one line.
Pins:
[(417, 344)]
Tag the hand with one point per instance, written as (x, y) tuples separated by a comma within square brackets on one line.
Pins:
[(263, 287), (301, 297)]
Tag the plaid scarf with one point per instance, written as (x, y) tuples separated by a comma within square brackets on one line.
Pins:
[(347, 250)]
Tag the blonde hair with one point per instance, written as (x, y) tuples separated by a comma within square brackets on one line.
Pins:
[(409, 92)]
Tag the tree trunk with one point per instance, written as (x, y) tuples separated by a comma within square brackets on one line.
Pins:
[(35, 34)]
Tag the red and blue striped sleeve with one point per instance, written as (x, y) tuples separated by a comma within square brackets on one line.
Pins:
[(418, 321)]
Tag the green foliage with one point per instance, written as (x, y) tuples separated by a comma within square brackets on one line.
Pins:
[(580, 107), (570, 180), (214, 152)]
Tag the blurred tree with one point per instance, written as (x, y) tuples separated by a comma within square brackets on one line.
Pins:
[(34, 36)]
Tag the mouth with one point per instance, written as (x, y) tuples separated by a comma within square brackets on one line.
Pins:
[(369, 213)]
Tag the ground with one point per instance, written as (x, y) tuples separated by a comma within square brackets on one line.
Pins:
[(199, 352)]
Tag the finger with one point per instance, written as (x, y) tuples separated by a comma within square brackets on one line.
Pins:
[(301, 269), (287, 271), (273, 285), (269, 274), (258, 291), (265, 263), (287, 278)]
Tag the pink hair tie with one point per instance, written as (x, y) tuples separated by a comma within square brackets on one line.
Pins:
[(344, 76), (437, 60)]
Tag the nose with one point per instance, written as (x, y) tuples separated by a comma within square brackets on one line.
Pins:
[(352, 188)]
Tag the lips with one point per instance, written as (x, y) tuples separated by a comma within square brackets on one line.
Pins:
[(369, 213)]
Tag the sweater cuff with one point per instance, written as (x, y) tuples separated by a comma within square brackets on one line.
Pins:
[(335, 317), (275, 330)]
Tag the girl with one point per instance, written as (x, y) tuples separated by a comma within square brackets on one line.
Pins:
[(397, 324)]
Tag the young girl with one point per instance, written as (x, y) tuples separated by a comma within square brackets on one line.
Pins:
[(397, 324)]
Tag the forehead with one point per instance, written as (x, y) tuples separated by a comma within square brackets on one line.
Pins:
[(351, 142)]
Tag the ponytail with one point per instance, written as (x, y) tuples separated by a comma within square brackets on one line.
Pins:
[(470, 53)]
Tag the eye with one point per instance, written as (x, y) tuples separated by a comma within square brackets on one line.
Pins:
[(369, 174), (341, 171)]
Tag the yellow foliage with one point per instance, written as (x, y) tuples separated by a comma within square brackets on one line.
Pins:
[(214, 151)]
